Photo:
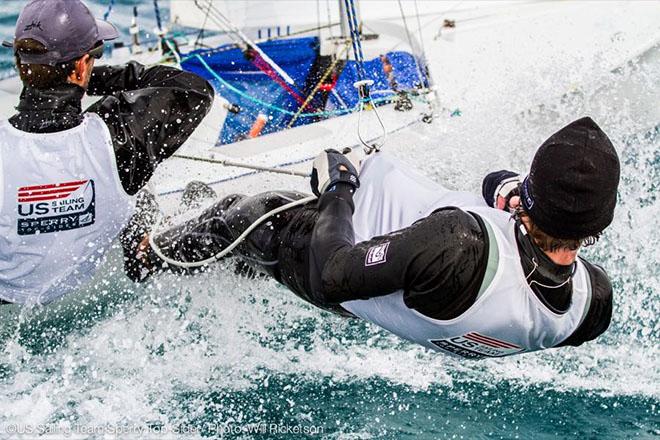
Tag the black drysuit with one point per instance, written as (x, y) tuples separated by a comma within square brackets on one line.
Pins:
[(439, 261)]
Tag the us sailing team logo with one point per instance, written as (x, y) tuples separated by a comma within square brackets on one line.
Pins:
[(56, 207), (474, 345)]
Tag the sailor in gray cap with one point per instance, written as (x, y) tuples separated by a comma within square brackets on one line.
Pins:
[(69, 176)]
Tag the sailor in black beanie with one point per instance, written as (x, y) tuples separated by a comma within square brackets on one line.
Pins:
[(563, 204), (433, 266)]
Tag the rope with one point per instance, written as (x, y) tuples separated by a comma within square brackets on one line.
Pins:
[(431, 104), (410, 41), (200, 35), (370, 148), (175, 52), (279, 109), (325, 75), (109, 10), (355, 38), (229, 163), (233, 245), (159, 23), (257, 61), (236, 34), (419, 31), (327, 7), (318, 17)]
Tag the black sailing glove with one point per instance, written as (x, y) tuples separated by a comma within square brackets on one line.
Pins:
[(332, 167), (503, 184)]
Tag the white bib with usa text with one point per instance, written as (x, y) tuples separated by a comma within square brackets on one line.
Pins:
[(61, 206), (506, 319)]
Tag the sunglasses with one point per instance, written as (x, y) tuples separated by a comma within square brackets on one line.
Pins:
[(97, 51)]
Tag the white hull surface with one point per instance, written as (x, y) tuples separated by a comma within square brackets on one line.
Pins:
[(291, 149)]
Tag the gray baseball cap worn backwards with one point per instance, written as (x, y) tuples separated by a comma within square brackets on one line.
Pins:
[(66, 28)]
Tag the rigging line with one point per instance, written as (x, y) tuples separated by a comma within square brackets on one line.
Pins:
[(278, 109), (419, 31), (355, 38), (412, 45), (200, 35), (159, 22), (432, 103), (230, 46), (109, 10), (350, 24), (327, 7), (325, 75), (229, 163), (376, 146), (233, 245), (237, 41), (175, 52), (318, 17), (258, 61), (225, 22), (285, 164)]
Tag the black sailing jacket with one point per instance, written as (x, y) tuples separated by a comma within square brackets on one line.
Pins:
[(150, 113)]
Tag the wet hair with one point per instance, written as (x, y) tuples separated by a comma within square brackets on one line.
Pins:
[(548, 243), (40, 76)]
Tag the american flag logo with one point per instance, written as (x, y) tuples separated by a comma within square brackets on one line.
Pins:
[(474, 345), (44, 193), (491, 342)]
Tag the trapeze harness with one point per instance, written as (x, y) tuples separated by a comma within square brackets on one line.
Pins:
[(507, 317), (62, 205)]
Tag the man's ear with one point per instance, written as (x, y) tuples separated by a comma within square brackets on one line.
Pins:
[(82, 66)]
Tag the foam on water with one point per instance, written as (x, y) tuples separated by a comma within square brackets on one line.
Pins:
[(219, 347), (166, 348)]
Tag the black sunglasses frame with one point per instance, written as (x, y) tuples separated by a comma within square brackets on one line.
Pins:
[(97, 52)]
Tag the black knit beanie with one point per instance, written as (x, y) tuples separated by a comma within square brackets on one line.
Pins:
[(570, 191)]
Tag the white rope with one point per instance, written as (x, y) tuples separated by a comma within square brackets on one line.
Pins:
[(177, 57), (233, 245)]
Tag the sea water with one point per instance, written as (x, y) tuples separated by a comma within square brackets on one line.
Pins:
[(221, 355)]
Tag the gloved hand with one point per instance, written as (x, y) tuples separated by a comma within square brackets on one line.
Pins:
[(332, 167), (498, 188)]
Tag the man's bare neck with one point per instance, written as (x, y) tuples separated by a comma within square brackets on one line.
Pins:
[(562, 257)]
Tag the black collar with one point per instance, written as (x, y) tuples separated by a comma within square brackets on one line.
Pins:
[(49, 110), (552, 283)]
